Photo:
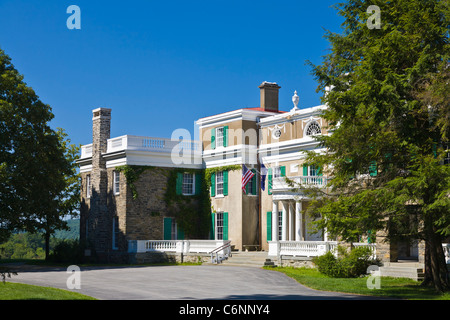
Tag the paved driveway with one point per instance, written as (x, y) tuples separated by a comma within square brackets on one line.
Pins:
[(179, 282)]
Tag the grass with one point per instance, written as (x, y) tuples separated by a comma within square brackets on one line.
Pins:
[(19, 291), (398, 288)]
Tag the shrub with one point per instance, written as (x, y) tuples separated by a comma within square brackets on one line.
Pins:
[(67, 251), (347, 265)]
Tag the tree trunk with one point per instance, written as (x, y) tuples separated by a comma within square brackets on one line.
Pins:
[(435, 266), (47, 245)]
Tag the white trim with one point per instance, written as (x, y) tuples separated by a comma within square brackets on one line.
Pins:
[(300, 114), (235, 115)]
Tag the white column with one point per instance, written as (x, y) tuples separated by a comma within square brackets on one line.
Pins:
[(291, 221), (275, 221), (298, 221), (284, 221)]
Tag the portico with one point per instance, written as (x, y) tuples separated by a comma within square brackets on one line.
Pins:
[(289, 223)]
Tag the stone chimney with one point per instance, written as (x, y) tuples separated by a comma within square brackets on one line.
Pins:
[(101, 127), (99, 219), (269, 96)]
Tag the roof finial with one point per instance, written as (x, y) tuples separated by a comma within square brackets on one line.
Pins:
[(295, 100)]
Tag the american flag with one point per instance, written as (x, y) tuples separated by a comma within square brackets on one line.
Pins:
[(246, 176)]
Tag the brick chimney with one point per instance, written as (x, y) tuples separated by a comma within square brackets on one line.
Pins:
[(269, 96)]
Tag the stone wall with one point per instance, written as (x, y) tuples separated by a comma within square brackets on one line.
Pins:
[(167, 257)]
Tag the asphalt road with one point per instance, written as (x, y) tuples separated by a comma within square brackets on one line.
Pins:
[(178, 283)]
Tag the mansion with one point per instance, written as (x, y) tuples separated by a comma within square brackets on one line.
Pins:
[(137, 190)]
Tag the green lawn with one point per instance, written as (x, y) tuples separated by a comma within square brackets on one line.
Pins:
[(401, 288), (19, 291)]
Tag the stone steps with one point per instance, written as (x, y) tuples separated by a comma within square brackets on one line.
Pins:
[(409, 270), (248, 259)]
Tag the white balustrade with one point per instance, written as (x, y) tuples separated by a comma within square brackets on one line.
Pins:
[(300, 248), (150, 144), (372, 246), (310, 248), (280, 183), (177, 246)]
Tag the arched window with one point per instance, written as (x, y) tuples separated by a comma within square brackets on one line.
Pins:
[(313, 129)]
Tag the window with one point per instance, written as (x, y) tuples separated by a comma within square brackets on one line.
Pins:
[(219, 226), (116, 182), (280, 225), (251, 187), (313, 129), (88, 186), (219, 137), (313, 170), (276, 172), (115, 239), (219, 183), (188, 184)]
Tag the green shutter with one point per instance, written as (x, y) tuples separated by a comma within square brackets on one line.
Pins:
[(254, 183), (270, 182), (319, 171), (435, 149), (167, 230), (179, 183), (225, 183), (213, 138), (269, 226), (373, 171), (198, 183), (213, 229), (283, 171), (305, 170), (213, 185), (225, 136), (180, 233), (225, 226)]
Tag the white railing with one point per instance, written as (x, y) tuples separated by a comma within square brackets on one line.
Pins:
[(128, 142), (280, 183), (310, 248), (221, 253), (175, 246), (301, 248), (138, 143), (372, 246)]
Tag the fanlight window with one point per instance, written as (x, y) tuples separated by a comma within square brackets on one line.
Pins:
[(313, 129)]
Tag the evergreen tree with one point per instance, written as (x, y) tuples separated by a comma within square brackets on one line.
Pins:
[(387, 92)]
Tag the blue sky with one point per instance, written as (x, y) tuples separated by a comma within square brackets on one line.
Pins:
[(161, 65)]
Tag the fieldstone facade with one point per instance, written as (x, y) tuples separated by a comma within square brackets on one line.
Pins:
[(111, 211)]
